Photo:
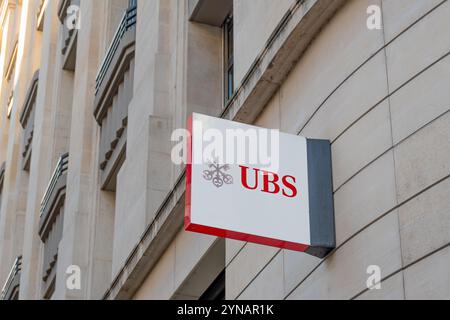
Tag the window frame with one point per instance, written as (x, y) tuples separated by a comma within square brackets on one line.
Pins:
[(228, 59)]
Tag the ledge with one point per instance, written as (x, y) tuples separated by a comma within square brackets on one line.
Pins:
[(41, 15), (116, 62), (157, 237), (211, 12), (12, 62), (10, 290), (54, 197), (30, 98), (70, 36), (55, 202), (110, 168), (27, 120), (284, 48), (114, 75), (70, 50)]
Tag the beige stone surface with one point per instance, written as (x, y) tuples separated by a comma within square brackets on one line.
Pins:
[(429, 279), (269, 285), (175, 267), (232, 249), (189, 249), (368, 139), (254, 23), (391, 289), (387, 150), (357, 95), (17, 34), (420, 101), (343, 275), (405, 58), (76, 242), (246, 266), (330, 59), (42, 159), (297, 266), (365, 198), (270, 117), (160, 283), (425, 223), (421, 160), (398, 15)]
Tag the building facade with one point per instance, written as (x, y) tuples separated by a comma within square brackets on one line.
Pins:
[(91, 205)]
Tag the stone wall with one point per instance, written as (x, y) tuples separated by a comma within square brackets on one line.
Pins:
[(380, 97)]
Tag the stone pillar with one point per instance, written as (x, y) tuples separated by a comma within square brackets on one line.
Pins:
[(42, 161), (16, 179), (9, 31), (75, 244), (146, 175)]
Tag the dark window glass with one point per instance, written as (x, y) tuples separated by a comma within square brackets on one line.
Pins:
[(216, 292)]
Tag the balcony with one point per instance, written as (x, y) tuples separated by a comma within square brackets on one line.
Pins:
[(41, 15), (10, 69), (10, 290), (27, 120), (11, 66), (113, 93), (70, 36), (51, 223)]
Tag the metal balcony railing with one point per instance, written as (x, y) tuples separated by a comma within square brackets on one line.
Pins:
[(51, 222), (27, 120), (61, 169), (128, 21), (13, 281)]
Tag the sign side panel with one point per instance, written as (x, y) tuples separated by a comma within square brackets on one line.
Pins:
[(323, 234)]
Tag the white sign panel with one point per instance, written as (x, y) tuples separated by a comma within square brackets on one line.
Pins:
[(280, 197)]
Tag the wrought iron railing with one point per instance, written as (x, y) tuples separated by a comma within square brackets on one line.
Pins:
[(128, 21), (61, 168), (12, 280)]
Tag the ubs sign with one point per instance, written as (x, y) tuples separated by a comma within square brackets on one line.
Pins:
[(286, 202)]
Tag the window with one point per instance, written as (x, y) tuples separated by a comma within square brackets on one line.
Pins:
[(228, 59)]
